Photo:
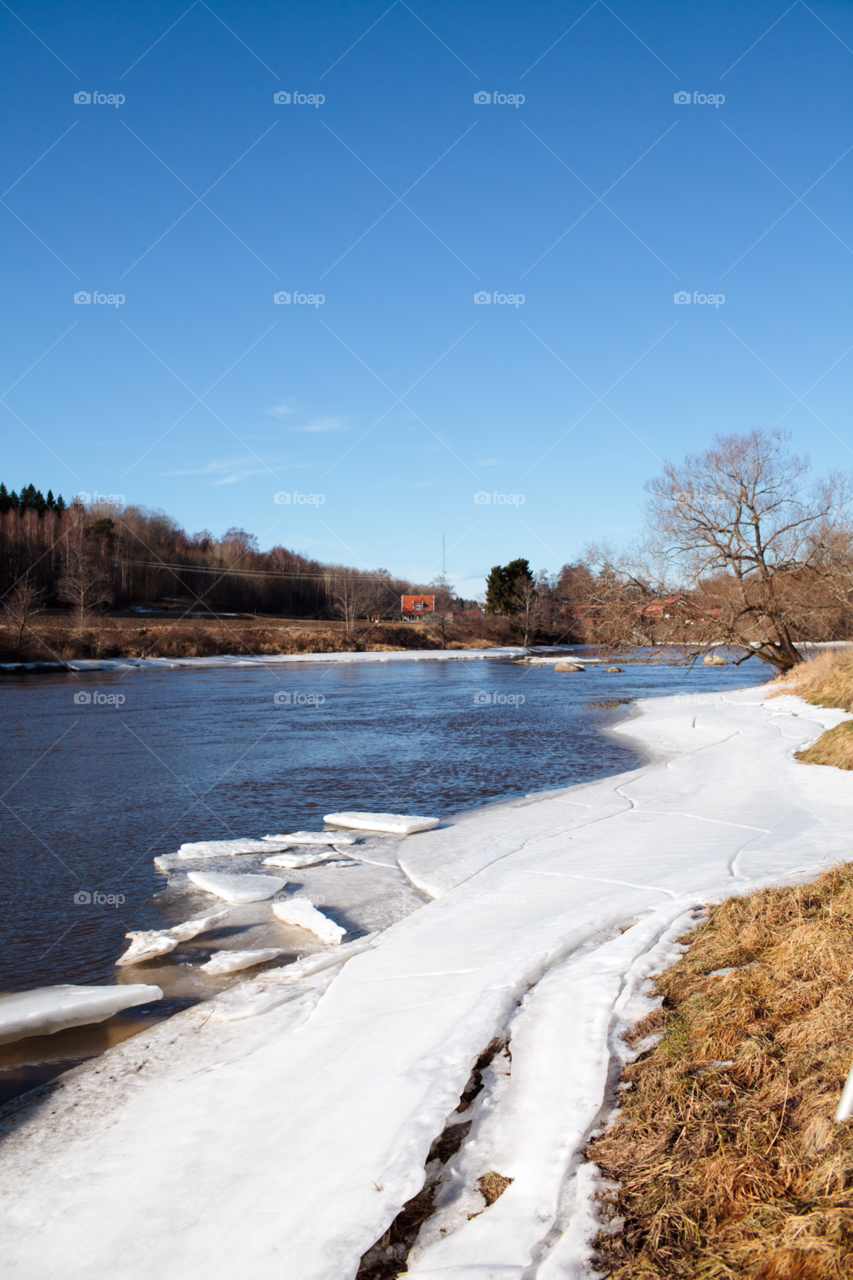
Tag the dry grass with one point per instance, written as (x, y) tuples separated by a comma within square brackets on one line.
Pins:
[(728, 1156), (835, 747), (826, 682), (55, 637)]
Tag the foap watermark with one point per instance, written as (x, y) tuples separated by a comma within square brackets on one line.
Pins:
[(83, 898), (282, 298), (484, 99), (698, 699), (701, 299), (682, 99), (82, 298), (83, 698), (99, 499), (483, 499), (285, 99), (484, 699), (297, 699), (482, 298), (284, 499), (83, 99)]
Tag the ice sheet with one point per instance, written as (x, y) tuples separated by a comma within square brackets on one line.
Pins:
[(45, 1010), (310, 837), (399, 824), (148, 944), (229, 848), (238, 889), (301, 912), (232, 961)]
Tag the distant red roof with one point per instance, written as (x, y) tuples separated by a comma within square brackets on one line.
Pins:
[(418, 604)]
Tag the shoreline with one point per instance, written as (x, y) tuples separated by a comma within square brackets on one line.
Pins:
[(529, 900)]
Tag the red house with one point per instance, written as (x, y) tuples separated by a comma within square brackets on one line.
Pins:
[(414, 607)]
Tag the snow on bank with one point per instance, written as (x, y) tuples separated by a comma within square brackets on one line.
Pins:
[(49, 1009), (280, 1132), (266, 660)]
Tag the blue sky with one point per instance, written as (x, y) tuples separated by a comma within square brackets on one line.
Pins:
[(397, 199)]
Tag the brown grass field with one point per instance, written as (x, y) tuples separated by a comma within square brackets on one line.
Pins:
[(826, 682), (53, 636), (727, 1157)]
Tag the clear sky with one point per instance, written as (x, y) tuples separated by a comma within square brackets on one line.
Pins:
[(398, 199)]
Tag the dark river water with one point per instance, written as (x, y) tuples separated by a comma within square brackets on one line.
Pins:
[(93, 791)]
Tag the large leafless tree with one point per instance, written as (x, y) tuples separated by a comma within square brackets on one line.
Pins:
[(743, 547)]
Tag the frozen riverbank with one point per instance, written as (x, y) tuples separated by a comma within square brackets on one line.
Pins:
[(279, 1131)]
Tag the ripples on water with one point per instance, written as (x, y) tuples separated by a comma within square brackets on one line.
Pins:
[(96, 791)]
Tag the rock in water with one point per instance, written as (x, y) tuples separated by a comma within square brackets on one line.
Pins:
[(567, 666), (713, 660)]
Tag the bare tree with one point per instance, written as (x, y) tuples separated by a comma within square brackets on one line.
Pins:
[(442, 617), (23, 603), (348, 596), (84, 584), (525, 606), (742, 548)]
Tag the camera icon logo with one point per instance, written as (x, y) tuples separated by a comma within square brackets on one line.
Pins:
[(82, 898), (482, 699), (281, 297), (482, 297), (482, 498), (281, 499), (681, 97), (82, 296), (281, 699), (281, 98), (682, 296), (482, 97), (83, 498), (82, 97), (82, 698)]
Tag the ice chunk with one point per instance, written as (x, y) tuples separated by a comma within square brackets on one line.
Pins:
[(227, 848), (399, 824), (310, 837), (231, 961), (192, 928), (45, 1010), (238, 889), (301, 912), (147, 945), (293, 860)]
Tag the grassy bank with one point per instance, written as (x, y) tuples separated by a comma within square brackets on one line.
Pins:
[(54, 636), (726, 1154), (826, 682)]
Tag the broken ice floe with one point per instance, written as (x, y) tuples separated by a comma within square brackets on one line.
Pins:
[(293, 860), (399, 824), (45, 1010), (301, 912), (237, 889), (309, 837), (151, 943), (229, 848), (231, 961)]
